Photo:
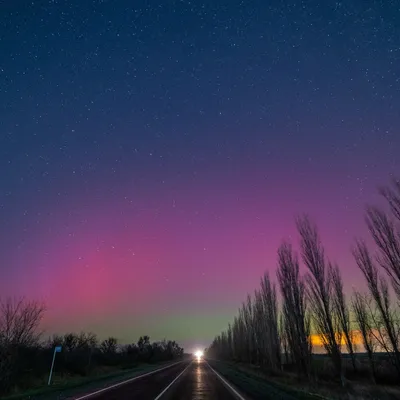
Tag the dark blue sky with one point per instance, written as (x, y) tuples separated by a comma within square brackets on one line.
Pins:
[(103, 102)]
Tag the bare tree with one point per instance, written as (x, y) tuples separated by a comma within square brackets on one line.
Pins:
[(392, 196), (386, 233), (109, 345), (247, 310), (236, 342), (70, 342), (259, 325), (253, 337), (343, 312), (294, 323), (239, 337), (361, 304), (19, 321), (387, 239), (269, 298), (229, 340), (87, 340), (284, 340), (379, 290), (320, 292)]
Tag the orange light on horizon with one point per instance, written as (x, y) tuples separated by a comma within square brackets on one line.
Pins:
[(317, 340)]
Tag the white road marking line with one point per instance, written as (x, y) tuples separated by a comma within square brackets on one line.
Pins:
[(235, 392), (159, 396), (86, 396)]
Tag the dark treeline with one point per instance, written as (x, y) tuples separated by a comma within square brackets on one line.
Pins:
[(273, 327), (25, 359)]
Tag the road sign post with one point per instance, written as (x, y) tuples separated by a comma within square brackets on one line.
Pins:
[(57, 349)]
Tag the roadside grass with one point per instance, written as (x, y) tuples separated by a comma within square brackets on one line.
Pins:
[(65, 387), (257, 386)]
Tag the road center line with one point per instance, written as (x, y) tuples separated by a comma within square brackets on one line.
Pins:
[(159, 396), (87, 396), (227, 384)]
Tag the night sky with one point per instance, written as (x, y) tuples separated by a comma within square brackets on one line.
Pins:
[(155, 153)]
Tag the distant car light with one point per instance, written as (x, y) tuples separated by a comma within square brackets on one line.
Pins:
[(198, 355)]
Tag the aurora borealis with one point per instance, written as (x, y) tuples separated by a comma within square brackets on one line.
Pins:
[(154, 154)]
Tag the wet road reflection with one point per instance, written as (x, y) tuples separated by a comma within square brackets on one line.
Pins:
[(199, 383), (199, 387)]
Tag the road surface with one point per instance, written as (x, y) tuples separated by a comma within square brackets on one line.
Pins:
[(184, 381)]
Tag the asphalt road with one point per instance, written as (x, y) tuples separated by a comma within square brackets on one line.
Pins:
[(199, 382), (187, 380)]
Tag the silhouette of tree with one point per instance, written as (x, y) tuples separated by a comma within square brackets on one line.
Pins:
[(320, 292), (109, 345), (295, 323), (343, 313), (19, 321), (269, 300), (253, 337), (379, 289), (70, 342), (361, 305), (386, 233)]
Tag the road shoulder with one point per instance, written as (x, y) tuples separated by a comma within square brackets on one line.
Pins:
[(256, 387), (229, 385)]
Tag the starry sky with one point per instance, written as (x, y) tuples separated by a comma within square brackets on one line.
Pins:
[(155, 153)]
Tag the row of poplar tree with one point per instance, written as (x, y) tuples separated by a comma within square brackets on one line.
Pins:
[(274, 326)]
